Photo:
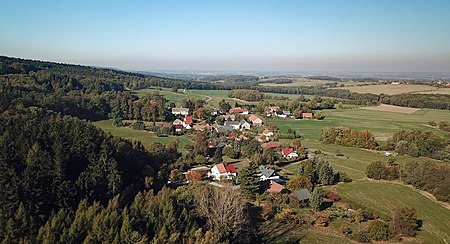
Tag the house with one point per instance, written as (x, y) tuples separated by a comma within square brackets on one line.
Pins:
[(178, 128), (187, 123), (267, 173), (222, 171), (241, 138), (235, 124), (238, 110), (215, 112), (272, 109), (289, 153), (261, 138), (302, 195), (255, 120), (177, 122), (272, 145), (275, 187), (229, 117), (281, 115), (307, 115), (267, 133), (244, 125), (199, 127), (222, 128), (180, 111)]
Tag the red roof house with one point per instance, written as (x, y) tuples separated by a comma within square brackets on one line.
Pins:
[(222, 171), (288, 152)]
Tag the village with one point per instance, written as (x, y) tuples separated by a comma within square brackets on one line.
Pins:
[(233, 127)]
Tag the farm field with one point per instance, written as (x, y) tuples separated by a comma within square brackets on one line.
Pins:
[(307, 82), (383, 197), (390, 89), (382, 124), (438, 91), (144, 137), (213, 97)]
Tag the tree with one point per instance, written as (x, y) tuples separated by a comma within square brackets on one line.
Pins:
[(316, 200), (404, 221), (326, 174), (174, 89), (200, 143), (218, 156), (224, 105), (194, 176), (224, 212), (377, 170), (299, 182), (379, 231), (250, 180)]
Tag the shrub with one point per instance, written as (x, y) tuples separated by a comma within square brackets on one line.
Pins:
[(379, 231)]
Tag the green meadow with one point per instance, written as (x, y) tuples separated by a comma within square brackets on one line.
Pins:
[(144, 137), (383, 197), (381, 124)]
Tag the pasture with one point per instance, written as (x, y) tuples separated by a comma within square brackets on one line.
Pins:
[(390, 89), (144, 137), (383, 197), (381, 123)]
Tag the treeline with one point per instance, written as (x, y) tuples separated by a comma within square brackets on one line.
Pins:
[(49, 162), (22, 69), (276, 81), (426, 176), (247, 95), (419, 143), (348, 137)]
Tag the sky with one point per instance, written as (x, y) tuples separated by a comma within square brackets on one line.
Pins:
[(322, 35)]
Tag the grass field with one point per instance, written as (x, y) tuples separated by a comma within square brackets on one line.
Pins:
[(355, 160), (213, 97), (381, 124), (144, 137), (391, 89), (383, 197)]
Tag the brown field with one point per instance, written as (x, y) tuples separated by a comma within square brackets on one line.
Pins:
[(392, 89), (393, 109)]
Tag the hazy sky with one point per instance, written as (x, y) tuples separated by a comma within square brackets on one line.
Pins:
[(339, 35)]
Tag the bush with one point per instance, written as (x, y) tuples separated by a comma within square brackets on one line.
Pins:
[(379, 231), (361, 236)]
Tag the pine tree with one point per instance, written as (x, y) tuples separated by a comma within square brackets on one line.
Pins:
[(218, 156), (250, 180)]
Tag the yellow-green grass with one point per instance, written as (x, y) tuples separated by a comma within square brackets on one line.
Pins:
[(213, 97), (383, 197), (382, 124), (390, 89), (144, 137), (307, 82), (354, 160)]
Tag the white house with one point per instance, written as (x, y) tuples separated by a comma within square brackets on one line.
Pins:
[(180, 111), (267, 173), (255, 120), (244, 125), (267, 133), (222, 171), (236, 125), (289, 153)]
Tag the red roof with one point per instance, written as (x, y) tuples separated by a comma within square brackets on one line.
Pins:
[(221, 168), (231, 168), (266, 131), (188, 120), (272, 144), (286, 151), (275, 187), (226, 168), (307, 115), (253, 117), (178, 126), (236, 110)]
